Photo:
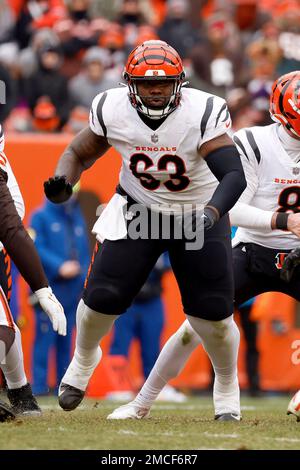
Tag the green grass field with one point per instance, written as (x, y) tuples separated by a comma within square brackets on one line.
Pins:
[(265, 425)]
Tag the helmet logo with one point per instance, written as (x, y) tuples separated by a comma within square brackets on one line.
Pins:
[(155, 73)]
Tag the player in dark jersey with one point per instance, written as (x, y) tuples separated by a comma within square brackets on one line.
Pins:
[(20, 248)]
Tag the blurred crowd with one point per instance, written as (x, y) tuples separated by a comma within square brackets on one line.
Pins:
[(56, 55)]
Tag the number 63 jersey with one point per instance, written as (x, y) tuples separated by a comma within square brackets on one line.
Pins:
[(273, 183), (164, 166)]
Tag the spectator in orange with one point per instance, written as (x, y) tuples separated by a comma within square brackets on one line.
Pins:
[(145, 33), (34, 15), (113, 40), (45, 118)]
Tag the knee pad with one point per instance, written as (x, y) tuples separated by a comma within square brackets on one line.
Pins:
[(107, 299)]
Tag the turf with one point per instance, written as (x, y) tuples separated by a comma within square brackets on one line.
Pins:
[(185, 426)]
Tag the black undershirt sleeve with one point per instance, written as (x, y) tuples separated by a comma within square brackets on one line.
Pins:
[(226, 166), (16, 240)]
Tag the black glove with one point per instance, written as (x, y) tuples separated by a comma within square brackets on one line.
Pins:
[(197, 220), (290, 263), (209, 218), (57, 189)]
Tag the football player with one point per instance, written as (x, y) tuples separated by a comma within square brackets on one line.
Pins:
[(16, 244), (269, 229), (175, 148)]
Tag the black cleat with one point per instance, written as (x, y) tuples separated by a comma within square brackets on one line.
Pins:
[(23, 402), (228, 417), (6, 413), (69, 397)]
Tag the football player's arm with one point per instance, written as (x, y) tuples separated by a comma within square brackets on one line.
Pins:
[(245, 215), (85, 148), (16, 240), (21, 249), (224, 162), (15, 191)]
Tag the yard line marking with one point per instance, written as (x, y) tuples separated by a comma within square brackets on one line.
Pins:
[(181, 407), (126, 431), (225, 436), (281, 439)]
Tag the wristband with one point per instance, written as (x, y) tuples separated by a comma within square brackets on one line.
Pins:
[(282, 220)]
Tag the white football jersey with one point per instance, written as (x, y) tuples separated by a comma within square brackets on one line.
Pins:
[(162, 167), (11, 181), (273, 182)]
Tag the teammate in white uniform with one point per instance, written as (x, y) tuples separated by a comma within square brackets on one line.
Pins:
[(16, 243), (174, 148), (271, 161)]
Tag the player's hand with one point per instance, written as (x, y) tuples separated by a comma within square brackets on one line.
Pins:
[(209, 218), (197, 220), (293, 224), (292, 260), (57, 189), (53, 309)]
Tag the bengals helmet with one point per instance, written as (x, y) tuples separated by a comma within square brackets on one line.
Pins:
[(154, 60), (285, 102)]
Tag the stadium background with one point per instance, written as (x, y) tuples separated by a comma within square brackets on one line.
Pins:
[(268, 52)]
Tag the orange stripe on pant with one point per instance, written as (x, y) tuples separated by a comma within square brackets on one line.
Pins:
[(6, 310), (91, 264), (7, 262)]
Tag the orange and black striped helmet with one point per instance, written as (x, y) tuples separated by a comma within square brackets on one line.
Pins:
[(285, 101), (154, 60)]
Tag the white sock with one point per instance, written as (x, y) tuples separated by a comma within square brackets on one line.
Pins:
[(221, 342), (13, 365), (91, 327), (169, 364)]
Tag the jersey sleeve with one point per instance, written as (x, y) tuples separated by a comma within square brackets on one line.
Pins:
[(17, 242), (215, 119), (15, 191), (243, 214), (11, 180), (97, 115), (250, 162)]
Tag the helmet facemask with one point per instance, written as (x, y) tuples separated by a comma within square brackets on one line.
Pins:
[(140, 105), (154, 60)]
